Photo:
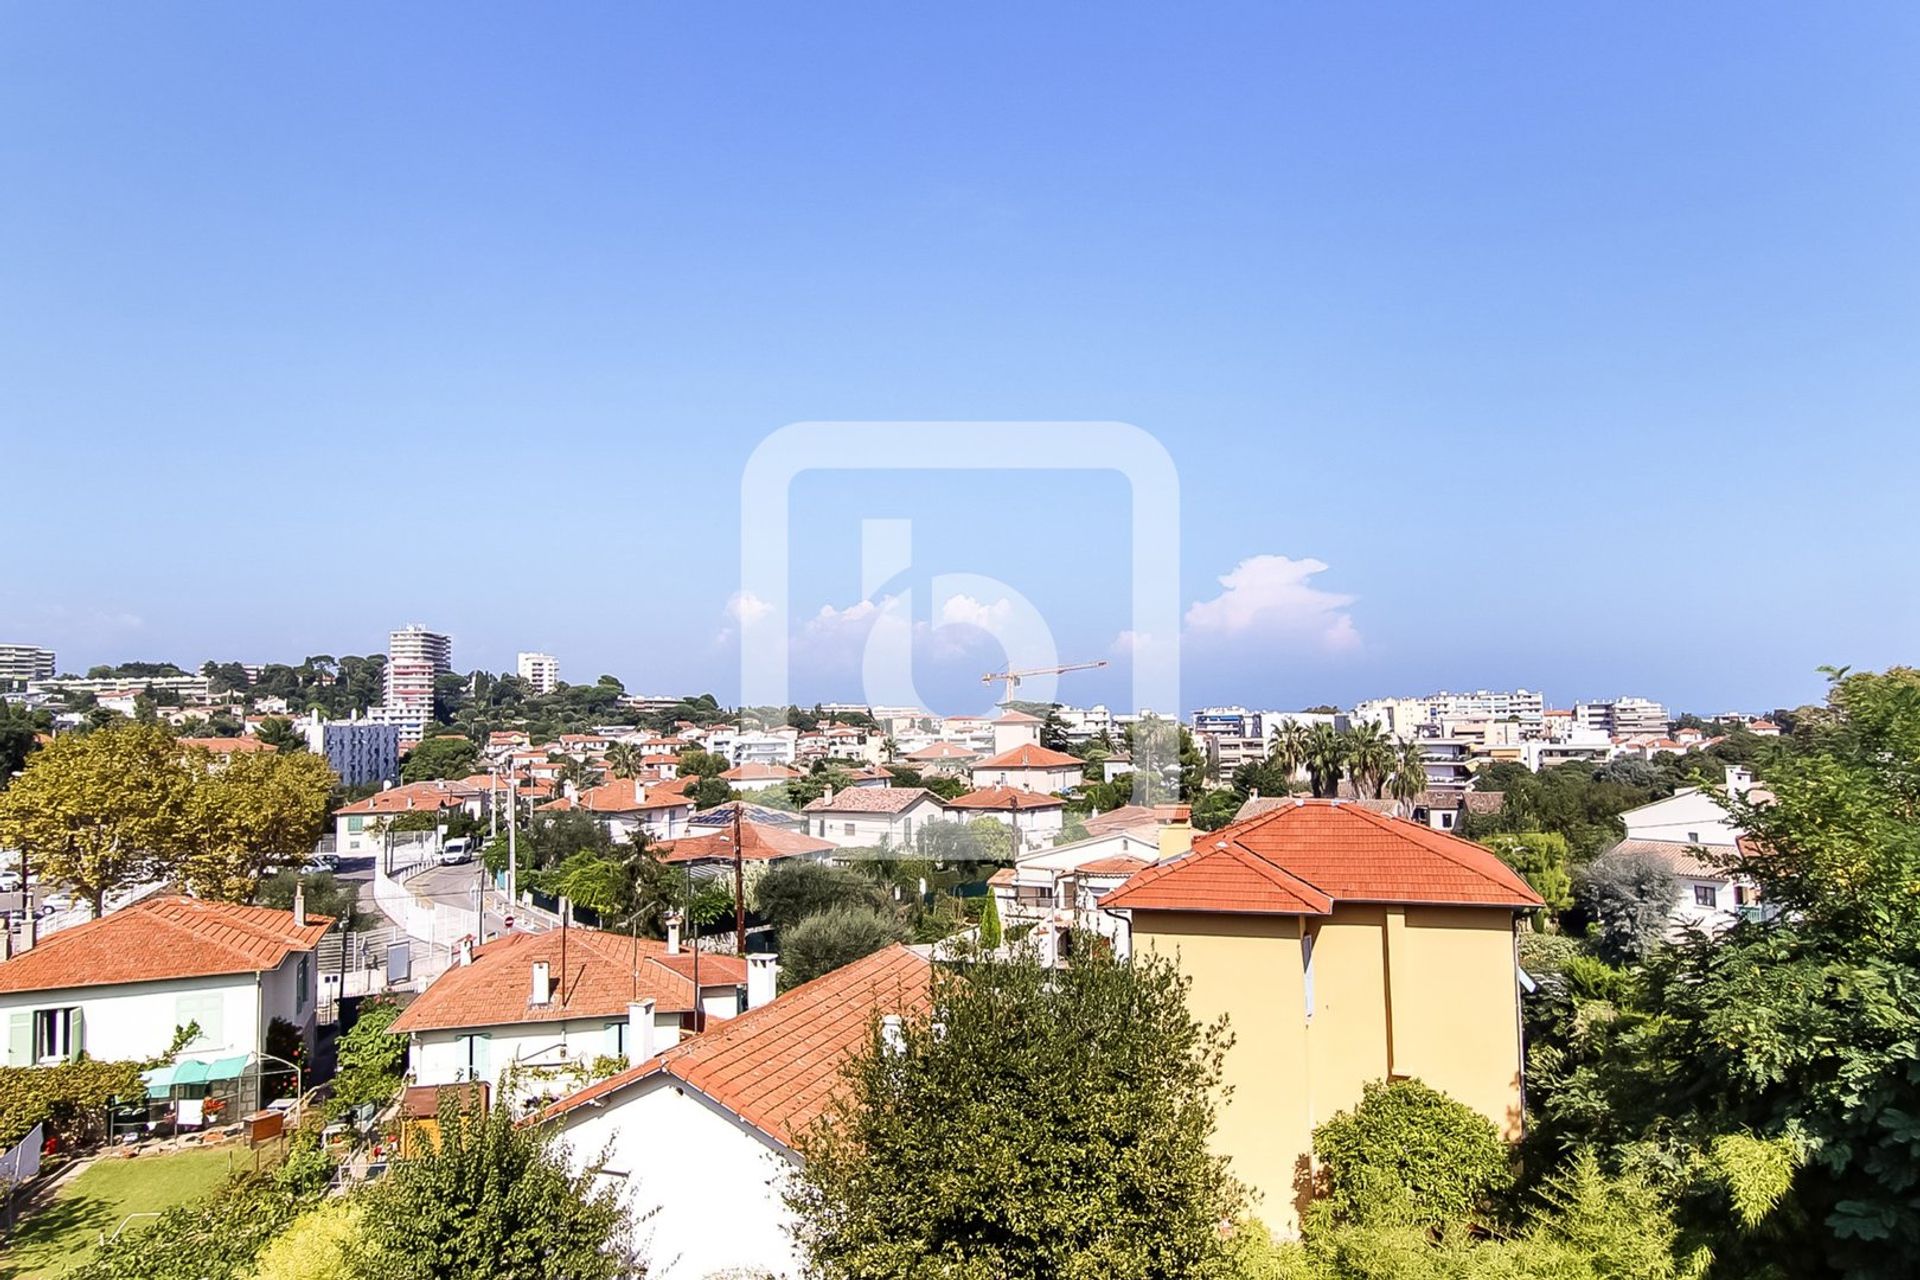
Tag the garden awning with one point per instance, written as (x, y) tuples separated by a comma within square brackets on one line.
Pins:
[(159, 1081), (229, 1068), (192, 1072)]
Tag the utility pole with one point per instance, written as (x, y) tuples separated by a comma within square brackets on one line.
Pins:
[(739, 888)]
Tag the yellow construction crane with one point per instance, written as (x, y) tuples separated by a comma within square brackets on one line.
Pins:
[(1012, 678)]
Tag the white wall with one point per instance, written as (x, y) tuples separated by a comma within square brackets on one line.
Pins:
[(137, 1020), (871, 829), (713, 1185), (440, 1056), (1044, 781), (1692, 817)]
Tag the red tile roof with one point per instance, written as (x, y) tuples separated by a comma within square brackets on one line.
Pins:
[(1011, 716), (870, 800), (161, 938), (601, 978), (1005, 798), (1303, 857), (414, 795), (758, 843), (1119, 864), (754, 771), (625, 795), (942, 751), (1127, 817), (1032, 756), (779, 1067)]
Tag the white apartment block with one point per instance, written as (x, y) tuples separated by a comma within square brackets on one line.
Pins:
[(541, 671), (416, 657), (20, 663), (1623, 717)]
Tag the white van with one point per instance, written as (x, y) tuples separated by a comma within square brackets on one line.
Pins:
[(456, 851)]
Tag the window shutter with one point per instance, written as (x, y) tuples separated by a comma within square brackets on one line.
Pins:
[(20, 1039), (616, 1040), (76, 1033)]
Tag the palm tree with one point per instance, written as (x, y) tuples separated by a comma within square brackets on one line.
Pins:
[(1290, 748), (623, 760), (1370, 757), (579, 774), (1326, 756), (1409, 775)]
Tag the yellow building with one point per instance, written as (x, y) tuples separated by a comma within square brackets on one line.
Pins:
[(1343, 946)]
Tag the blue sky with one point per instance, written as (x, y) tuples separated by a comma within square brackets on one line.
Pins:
[(1577, 343)]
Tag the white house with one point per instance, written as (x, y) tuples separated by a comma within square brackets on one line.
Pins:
[(1013, 729), (700, 1138), (1060, 887), (359, 827), (1693, 833), (120, 986), (1031, 768), (1035, 819), (626, 805), (542, 1007), (863, 817)]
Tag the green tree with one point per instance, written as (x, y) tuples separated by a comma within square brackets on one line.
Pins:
[(258, 811), (1370, 758), (1628, 897), (370, 1058), (1785, 1043), (1407, 780), (990, 934), (445, 756), (1326, 758), (101, 811), (623, 760), (490, 1200), (1541, 858), (837, 936), (1404, 1136), (20, 731), (278, 732), (791, 890), (1031, 1123), (326, 895)]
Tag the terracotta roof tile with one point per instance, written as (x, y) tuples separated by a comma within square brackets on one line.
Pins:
[(1320, 851), (601, 978), (1005, 798), (870, 800), (758, 843), (414, 795), (779, 1067), (1032, 756), (160, 938)]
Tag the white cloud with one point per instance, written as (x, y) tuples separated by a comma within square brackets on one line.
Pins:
[(744, 606), (1273, 597), (965, 610)]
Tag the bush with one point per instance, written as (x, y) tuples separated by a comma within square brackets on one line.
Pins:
[(790, 892), (1628, 897), (314, 1246), (1405, 1138), (70, 1099), (490, 1200), (370, 1058), (822, 943)]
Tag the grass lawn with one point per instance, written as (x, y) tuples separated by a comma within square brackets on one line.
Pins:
[(62, 1234)]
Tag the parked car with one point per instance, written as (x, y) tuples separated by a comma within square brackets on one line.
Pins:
[(456, 851), (9, 882), (324, 862)]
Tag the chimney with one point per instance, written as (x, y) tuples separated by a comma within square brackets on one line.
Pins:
[(1739, 778), (6, 942), (893, 1034), (673, 934), (763, 978), (542, 983), (826, 797), (466, 951), (640, 1031), (299, 906)]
